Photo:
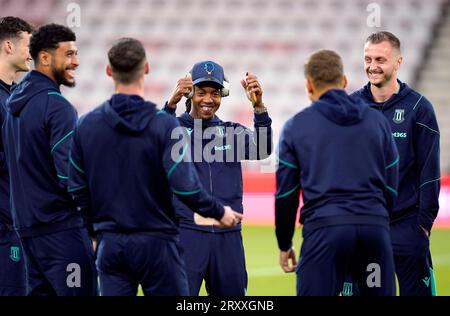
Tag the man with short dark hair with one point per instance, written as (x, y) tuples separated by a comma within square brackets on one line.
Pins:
[(214, 254), (416, 133), (14, 58), (341, 154), (124, 170), (37, 133)]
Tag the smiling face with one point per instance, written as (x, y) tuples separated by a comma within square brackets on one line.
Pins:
[(21, 58), (64, 61), (381, 63), (206, 101)]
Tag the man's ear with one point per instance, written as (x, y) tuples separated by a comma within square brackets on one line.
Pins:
[(108, 70), (44, 58), (7, 47), (344, 82), (309, 87), (398, 63), (146, 68)]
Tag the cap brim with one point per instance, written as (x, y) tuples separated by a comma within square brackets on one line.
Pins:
[(207, 79)]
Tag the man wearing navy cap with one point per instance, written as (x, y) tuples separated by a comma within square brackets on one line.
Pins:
[(212, 253)]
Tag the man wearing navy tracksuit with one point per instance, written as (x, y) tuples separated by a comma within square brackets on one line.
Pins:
[(216, 254), (416, 133), (14, 58), (342, 156), (36, 134), (124, 170)]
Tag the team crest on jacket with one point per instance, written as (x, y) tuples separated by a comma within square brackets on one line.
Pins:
[(220, 131), (15, 254), (399, 116)]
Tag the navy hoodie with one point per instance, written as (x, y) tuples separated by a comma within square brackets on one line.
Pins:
[(228, 143), (5, 212), (416, 133), (36, 136), (341, 154), (122, 172)]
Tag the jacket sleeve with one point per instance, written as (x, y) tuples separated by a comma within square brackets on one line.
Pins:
[(61, 120), (426, 147), (391, 166), (181, 173), (169, 110), (255, 144), (288, 190), (3, 168), (77, 183)]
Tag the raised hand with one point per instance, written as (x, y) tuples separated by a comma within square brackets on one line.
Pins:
[(253, 90), (184, 88)]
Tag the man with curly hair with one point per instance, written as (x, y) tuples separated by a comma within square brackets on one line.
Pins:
[(14, 58), (37, 134)]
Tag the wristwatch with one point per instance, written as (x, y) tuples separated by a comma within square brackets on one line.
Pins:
[(260, 110)]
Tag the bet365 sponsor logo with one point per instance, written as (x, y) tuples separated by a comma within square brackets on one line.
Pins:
[(400, 134)]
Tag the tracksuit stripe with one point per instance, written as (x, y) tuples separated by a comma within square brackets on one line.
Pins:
[(75, 165), (290, 165), (425, 183), (178, 161), (287, 193), (392, 190), (61, 140), (433, 130), (393, 163), (76, 188), (186, 193)]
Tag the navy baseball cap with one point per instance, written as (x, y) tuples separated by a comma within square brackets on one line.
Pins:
[(207, 71)]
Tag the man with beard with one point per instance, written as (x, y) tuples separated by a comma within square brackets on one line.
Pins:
[(416, 133), (14, 58), (37, 134)]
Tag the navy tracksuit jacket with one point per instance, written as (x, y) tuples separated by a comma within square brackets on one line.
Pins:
[(416, 132), (12, 274), (36, 135), (223, 179), (5, 212), (125, 167), (342, 156), (122, 169)]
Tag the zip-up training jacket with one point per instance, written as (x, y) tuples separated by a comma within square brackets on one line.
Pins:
[(5, 210), (221, 174), (36, 135), (416, 133), (342, 155), (125, 167)]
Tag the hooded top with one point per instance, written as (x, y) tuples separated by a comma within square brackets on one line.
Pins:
[(36, 135), (5, 211), (342, 155), (416, 133), (217, 149), (122, 172)]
